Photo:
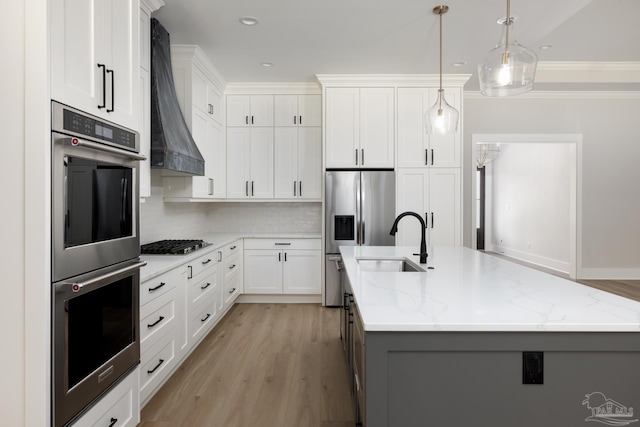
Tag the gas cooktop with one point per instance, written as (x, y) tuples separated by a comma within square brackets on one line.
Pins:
[(172, 247)]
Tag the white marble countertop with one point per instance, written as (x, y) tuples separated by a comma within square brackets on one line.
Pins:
[(471, 291), (158, 264)]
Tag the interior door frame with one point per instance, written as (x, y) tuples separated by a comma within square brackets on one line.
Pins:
[(575, 192)]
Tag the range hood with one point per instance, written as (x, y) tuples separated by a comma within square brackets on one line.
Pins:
[(172, 146)]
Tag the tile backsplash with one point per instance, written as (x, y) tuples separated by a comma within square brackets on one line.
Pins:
[(160, 220)]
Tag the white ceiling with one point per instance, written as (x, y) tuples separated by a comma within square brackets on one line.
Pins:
[(303, 38)]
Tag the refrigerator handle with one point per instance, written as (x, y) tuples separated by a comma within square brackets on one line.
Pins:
[(356, 157)]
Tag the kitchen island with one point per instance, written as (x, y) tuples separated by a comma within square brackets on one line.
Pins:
[(474, 340)]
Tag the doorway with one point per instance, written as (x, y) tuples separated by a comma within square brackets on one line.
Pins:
[(520, 223)]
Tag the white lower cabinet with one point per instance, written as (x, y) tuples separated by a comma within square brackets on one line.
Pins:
[(120, 407), (289, 266), (434, 194), (180, 307)]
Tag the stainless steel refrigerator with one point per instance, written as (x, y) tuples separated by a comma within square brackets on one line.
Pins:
[(359, 211)]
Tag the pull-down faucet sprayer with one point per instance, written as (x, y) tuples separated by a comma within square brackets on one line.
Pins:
[(423, 242)]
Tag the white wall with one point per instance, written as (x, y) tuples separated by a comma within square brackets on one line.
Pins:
[(611, 150), (12, 260), (160, 220), (530, 212)]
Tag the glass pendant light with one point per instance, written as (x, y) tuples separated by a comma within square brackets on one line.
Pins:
[(508, 69), (441, 118)]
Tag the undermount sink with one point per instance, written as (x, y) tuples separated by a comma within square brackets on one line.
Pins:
[(387, 265)]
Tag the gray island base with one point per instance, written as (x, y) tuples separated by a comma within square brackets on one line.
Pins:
[(479, 341)]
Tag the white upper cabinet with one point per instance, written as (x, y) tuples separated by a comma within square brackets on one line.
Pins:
[(95, 57), (298, 110), (298, 166), (250, 163), (415, 147), (199, 95), (359, 127), (249, 110)]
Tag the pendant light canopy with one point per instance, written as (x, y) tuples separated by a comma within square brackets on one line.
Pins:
[(508, 69), (441, 118)]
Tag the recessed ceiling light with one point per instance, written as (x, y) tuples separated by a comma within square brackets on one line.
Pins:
[(267, 64), (545, 47), (248, 20), (459, 63)]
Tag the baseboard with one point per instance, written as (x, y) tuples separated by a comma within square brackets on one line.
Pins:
[(279, 299), (609, 273)]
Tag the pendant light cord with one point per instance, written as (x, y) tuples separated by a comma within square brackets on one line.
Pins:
[(440, 92), (507, 22)]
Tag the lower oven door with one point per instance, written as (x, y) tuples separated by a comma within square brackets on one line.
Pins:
[(96, 337)]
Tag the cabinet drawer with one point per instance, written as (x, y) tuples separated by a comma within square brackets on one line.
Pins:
[(156, 363), (156, 320), (232, 287), (232, 264), (201, 289), (232, 248), (203, 318), (119, 407), (282, 244), (203, 263), (152, 289)]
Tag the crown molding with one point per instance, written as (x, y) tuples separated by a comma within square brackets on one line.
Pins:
[(398, 80), (151, 5), (588, 72), (193, 53), (273, 88), (559, 95)]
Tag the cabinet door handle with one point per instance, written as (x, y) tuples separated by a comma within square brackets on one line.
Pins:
[(205, 317), (157, 287), (285, 257), (362, 160), (190, 276), (104, 86), (211, 186), (231, 267), (426, 219), (113, 422), (246, 120), (233, 247), (151, 325), (426, 156), (246, 188), (251, 119), (432, 157), (112, 91), (300, 185), (356, 156), (219, 256), (232, 290), (279, 257), (151, 371), (206, 261), (205, 286), (252, 188), (294, 120), (300, 121), (294, 189), (431, 219), (283, 244)]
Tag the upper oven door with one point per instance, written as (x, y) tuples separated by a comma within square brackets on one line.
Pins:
[(95, 206)]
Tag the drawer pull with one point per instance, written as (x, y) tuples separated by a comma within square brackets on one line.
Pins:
[(206, 317), (233, 247), (157, 287), (219, 256), (151, 371), (205, 286), (151, 325), (283, 244), (113, 422), (231, 267), (206, 262), (232, 290)]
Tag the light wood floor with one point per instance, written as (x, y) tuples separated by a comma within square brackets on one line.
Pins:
[(267, 365)]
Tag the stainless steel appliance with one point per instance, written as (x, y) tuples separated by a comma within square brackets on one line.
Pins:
[(94, 193), (95, 259), (96, 336), (172, 247), (359, 210)]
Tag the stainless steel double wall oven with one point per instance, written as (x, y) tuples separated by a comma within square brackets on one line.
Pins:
[(95, 259)]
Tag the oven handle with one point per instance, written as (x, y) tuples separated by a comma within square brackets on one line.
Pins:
[(77, 142), (79, 285)]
